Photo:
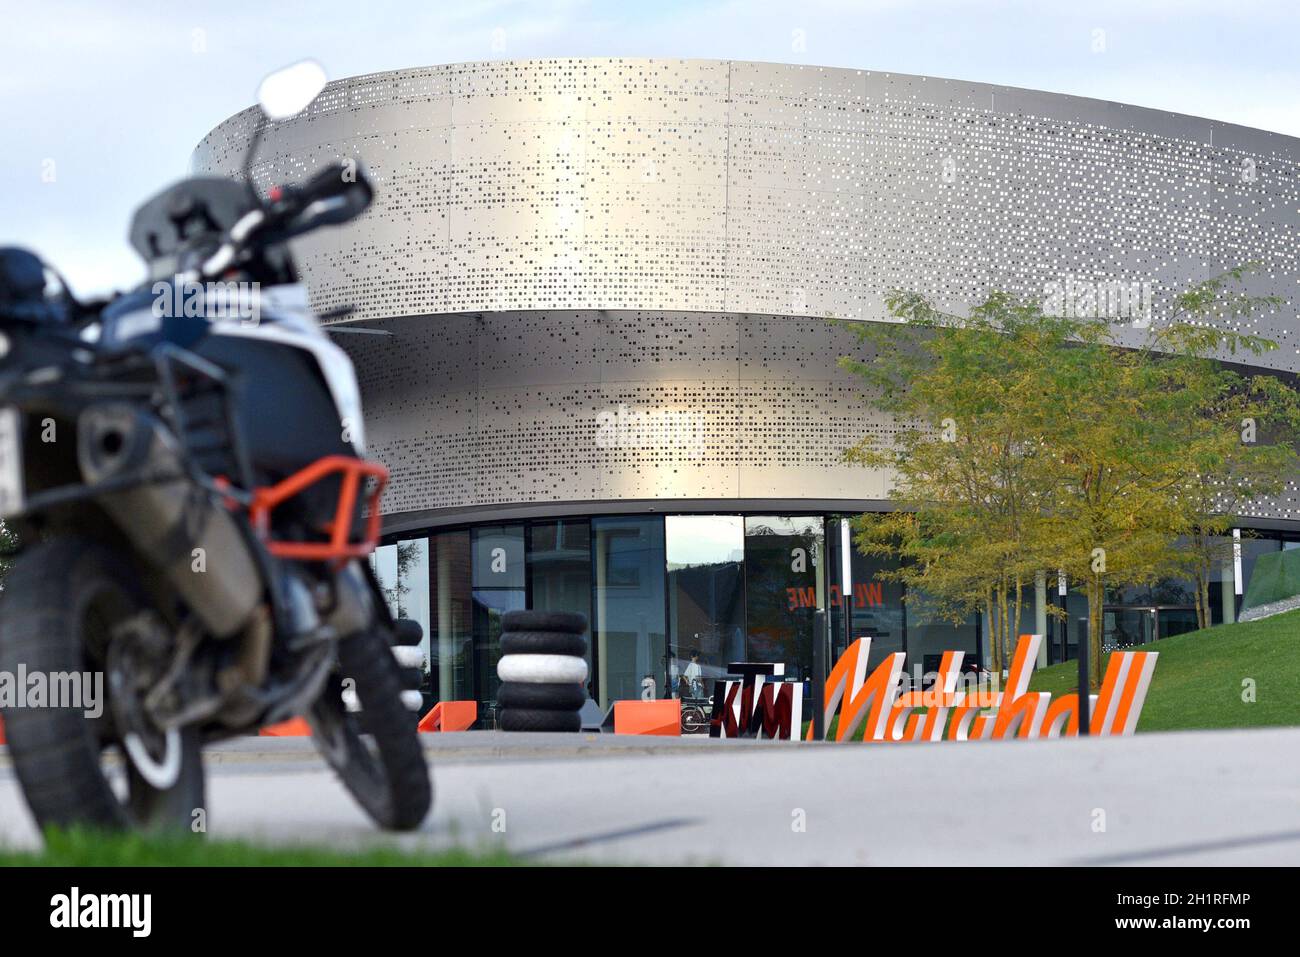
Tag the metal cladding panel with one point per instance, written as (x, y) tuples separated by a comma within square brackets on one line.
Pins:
[(569, 406), (556, 238)]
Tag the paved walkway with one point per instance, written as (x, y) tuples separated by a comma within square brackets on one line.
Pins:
[(1229, 797)]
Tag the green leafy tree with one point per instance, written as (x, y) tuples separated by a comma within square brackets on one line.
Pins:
[(968, 455), (1030, 442), (1239, 441)]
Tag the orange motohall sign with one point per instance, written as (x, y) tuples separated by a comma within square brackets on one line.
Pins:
[(761, 704), (982, 713)]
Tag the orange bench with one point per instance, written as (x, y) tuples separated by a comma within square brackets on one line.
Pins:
[(662, 716), (450, 716)]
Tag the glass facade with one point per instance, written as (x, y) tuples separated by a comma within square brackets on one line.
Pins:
[(558, 569), (402, 569), (893, 619), (877, 606), (1253, 546), (499, 586), (785, 588), (672, 600), (929, 635), (706, 599), (1135, 616), (631, 648), (451, 638)]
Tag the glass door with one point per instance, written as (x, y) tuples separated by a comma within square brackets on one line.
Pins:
[(628, 597), (706, 600), (785, 587)]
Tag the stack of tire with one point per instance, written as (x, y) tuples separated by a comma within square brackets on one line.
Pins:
[(543, 671), (407, 635)]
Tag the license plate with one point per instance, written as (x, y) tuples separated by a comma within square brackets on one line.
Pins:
[(11, 462)]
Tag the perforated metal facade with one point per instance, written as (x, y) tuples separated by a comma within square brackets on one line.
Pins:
[(558, 239)]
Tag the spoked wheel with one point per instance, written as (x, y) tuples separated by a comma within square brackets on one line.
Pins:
[(69, 610), (385, 770)]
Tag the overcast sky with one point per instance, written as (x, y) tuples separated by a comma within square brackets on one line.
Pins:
[(111, 97)]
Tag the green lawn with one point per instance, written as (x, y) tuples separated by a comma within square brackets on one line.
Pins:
[(1201, 676), (80, 848)]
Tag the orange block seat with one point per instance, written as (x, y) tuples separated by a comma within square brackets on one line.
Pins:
[(662, 716), (450, 716), (293, 728)]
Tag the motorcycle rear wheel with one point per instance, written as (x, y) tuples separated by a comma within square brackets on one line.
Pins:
[(385, 771), (61, 603)]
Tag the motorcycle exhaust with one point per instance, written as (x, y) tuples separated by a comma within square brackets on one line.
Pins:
[(174, 524)]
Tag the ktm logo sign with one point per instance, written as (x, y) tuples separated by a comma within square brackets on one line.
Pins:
[(983, 713), (753, 707)]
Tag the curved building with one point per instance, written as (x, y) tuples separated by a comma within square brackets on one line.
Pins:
[(610, 289)]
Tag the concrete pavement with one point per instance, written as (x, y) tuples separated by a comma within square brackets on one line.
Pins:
[(1229, 797)]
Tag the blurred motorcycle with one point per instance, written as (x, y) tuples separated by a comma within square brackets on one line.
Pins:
[(186, 469)]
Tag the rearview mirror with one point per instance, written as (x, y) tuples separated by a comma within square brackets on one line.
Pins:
[(289, 91)]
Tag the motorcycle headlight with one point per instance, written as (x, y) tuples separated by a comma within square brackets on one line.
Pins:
[(4, 345)]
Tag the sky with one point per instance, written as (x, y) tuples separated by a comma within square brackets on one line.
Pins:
[(101, 103)]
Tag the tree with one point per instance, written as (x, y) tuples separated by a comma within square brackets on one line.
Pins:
[(1227, 468), (1030, 442), (968, 456), (1149, 434), (1227, 464)]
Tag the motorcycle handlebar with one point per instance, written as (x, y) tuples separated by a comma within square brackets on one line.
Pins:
[(337, 194), (342, 181)]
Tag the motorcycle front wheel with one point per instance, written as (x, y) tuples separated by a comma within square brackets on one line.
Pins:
[(384, 769), (64, 602)]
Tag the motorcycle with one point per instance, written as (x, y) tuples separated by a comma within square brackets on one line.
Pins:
[(185, 469)]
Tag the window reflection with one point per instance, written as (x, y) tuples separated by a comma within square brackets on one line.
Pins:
[(784, 587), (706, 599), (498, 578), (673, 600), (876, 602), (630, 642), (559, 571), (402, 569), (452, 635), (930, 634)]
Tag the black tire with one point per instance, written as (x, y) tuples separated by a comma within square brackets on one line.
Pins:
[(543, 643), (531, 719), (407, 632), (565, 621), (60, 601), (548, 696), (391, 779)]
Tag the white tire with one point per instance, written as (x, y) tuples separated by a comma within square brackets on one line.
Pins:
[(540, 669), (413, 700), (409, 656)]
